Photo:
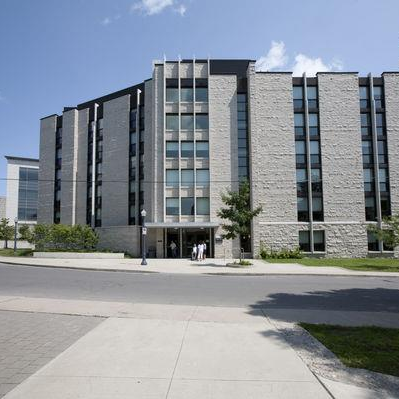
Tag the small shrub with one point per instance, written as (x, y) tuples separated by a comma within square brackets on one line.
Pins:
[(284, 253)]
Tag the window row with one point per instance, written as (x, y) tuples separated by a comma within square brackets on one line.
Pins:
[(369, 185), (318, 241), (365, 122), (187, 177), (303, 209), (187, 121), (186, 94), (300, 151), (364, 94), (299, 123), (298, 95), (187, 206), (367, 150), (187, 149)]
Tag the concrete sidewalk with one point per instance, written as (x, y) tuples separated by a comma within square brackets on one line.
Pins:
[(179, 352), (185, 266)]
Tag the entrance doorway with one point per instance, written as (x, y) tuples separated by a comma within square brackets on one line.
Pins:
[(185, 239)]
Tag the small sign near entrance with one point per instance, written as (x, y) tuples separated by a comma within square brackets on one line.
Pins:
[(144, 231), (218, 239)]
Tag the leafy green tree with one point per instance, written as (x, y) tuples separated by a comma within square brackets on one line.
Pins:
[(389, 234), (238, 212), (6, 231), (25, 233)]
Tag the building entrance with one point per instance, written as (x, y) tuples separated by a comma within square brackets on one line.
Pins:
[(184, 239)]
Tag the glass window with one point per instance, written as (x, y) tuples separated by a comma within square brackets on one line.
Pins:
[(187, 149), (371, 212), (299, 123), (365, 124), (202, 177), (364, 96), (313, 124), (202, 206), (202, 149), (304, 241), (58, 153), (301, 175), (368, 175), (186, 94), (201, 94), (378, 97), (300, 149), (303, 210), (382, 152), (372, 241), (316, 180), (172, 149), (201, 121), (298, 92), (317, 207), (367, 150), (312, 96), (187, 177), (172, 122), (172, 94), (385, 205), (172, 177), (314, 152), (172, 206), (187, 206), (380, 123), (383, 176), (187, 121), (318, 240), (302, 182)]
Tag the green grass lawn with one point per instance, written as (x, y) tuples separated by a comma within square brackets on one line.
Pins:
[(371, 348), (20, 252), (365, 264)]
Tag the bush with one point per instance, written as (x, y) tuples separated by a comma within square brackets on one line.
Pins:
[(63, 237), (284, 253)]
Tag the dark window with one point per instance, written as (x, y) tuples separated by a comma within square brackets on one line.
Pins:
[(371, 212), (317, 207), (27, 194), (187, 121), (378, 97), (299, 123), (385, 205), (368, 174), (202, 206), (298, 97), (312, 97), (382, 152), (300, 149), (319, 240), (302, 182), (202, 149), (380, 124), (303, 209), (365, 124), (172, 206), (172, 94), (187, 149), (314, 152), (172, 121), (201, 94), (367, 150), (304, 241), (201, 121), (172, 149), (316, 180), (187, 206), (372, 241), (313, 124), (364, 94)]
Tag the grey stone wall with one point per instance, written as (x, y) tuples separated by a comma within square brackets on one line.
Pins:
[(115, 188), (81, 176), (391, 87), (120, 238), (69, 166), (45, 211), (223, 149), (342, 167), (272, 159)]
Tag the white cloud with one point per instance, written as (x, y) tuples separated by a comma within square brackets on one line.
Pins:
[(181, 9), (106, 21), (311, 66), (275, 58), (152, 7)]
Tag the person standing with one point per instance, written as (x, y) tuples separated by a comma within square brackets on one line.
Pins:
[(194, 252), (200, 251), (204, 254), (173, 247)]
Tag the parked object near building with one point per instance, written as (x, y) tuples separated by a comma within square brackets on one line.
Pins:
[(22, 189), (320, 153)]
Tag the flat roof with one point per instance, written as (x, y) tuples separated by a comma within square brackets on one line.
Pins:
[(13, 158)]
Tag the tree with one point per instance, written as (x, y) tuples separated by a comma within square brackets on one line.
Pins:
[(6, 231), (389, 234), (25, 233), (238, 212)]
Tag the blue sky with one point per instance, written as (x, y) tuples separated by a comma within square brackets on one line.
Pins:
[(57, 53)]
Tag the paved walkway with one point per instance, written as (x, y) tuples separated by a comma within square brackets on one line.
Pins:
[(169, 351), (185, 266)]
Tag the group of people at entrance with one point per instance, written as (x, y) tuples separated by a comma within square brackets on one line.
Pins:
[(199, 251)]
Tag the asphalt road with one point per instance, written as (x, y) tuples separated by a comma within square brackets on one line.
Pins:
[(289, 292)]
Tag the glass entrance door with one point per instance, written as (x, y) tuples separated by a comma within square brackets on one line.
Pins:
[(195, 236)]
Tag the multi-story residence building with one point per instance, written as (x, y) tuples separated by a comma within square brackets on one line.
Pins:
[(321, 155), (22, 189)]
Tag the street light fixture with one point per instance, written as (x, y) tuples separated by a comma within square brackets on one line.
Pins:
[(15, 233), (143, 237)]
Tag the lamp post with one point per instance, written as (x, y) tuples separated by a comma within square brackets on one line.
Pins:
[(15, 233), (143, 236)]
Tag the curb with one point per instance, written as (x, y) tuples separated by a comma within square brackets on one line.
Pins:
[(227, 273)]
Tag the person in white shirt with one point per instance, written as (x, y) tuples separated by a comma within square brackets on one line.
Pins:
[(204, 254), (200, 251), (194, 252)]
